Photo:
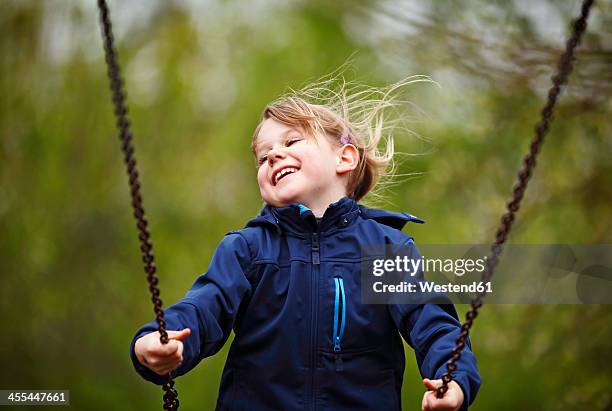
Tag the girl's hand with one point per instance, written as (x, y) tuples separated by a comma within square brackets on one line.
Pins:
[(161, 358), (452, 400)]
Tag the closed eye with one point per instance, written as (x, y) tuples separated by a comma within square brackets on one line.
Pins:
[(293, 140), (262, 160)]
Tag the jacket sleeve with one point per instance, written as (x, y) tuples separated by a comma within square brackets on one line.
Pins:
[(208, 308), (431, 330)]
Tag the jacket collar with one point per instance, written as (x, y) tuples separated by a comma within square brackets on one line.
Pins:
[(297, 218)]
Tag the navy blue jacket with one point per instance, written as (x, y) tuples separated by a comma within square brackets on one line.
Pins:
[(289, 287)]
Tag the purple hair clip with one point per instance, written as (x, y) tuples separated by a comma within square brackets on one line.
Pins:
[(345, 138)]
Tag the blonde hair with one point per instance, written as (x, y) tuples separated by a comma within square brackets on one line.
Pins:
[(337, 109)]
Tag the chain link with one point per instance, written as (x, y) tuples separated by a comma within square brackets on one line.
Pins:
[(170, 396), (564, 69)]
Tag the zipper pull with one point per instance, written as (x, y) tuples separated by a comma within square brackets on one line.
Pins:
[(315, 249), (337, 344)]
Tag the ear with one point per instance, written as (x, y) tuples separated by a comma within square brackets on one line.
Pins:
[(348, 158)]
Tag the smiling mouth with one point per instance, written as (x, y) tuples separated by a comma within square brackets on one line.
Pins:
[(279, 175)]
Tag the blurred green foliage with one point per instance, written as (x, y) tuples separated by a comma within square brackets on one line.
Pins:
[(198, 76)]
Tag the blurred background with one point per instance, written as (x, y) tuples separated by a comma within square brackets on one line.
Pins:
[(198, 75)]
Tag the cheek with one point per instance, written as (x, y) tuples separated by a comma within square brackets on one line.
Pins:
[(320, 166), (262, 176)]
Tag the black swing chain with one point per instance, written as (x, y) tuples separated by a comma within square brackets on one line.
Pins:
[(170, 396), (564, 68)]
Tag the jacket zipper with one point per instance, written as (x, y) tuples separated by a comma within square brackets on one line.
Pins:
[(316, 261), (339, 311)]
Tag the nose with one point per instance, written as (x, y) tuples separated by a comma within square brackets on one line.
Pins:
[(274, 155)]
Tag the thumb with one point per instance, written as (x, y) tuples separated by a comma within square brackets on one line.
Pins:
[(179, 335), (432, 385)]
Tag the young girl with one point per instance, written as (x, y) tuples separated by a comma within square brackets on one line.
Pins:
[(288, 283)]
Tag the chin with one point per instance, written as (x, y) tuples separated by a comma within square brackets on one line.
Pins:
[(284, 197)]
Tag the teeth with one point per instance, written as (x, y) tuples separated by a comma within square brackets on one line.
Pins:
[(284, 172)]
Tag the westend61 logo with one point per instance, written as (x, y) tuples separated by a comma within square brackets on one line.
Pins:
[(526, 274)]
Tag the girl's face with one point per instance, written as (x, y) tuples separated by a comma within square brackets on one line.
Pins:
[(296, 168)]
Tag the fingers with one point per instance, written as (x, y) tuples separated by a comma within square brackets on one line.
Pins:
[(175, 339), (162, 358), (451, 401), (179, 335), (425, 403), (432, 385), (165, 367), (179, 352), (431, 403), (167, 350), (163, 364)]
